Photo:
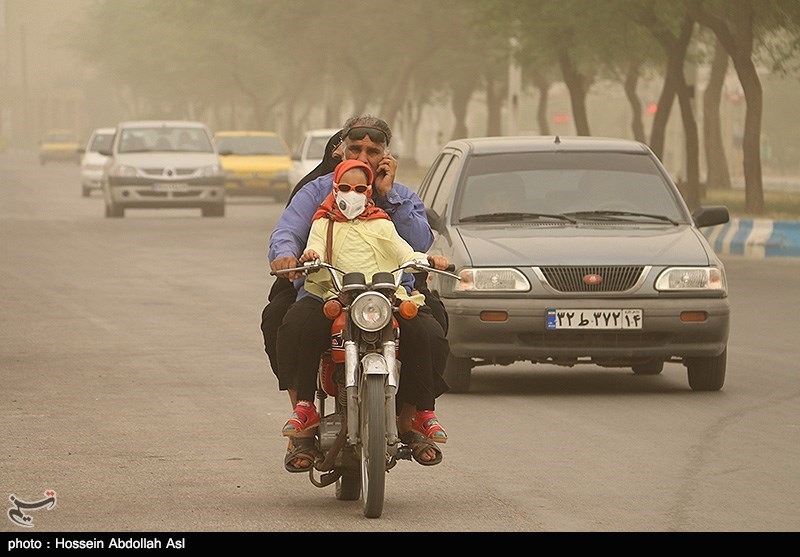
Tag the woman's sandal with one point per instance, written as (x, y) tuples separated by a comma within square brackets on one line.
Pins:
[(426, 423), (303, 448), (419, 444)]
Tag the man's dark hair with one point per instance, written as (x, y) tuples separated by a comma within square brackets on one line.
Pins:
[(368, 121)]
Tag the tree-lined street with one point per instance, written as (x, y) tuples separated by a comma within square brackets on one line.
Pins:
[(135, 386)]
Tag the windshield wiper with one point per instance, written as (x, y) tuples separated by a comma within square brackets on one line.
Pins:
[(507, 217), (589, 214)]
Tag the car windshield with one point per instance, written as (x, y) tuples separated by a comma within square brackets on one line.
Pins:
[(101, 141), (316, 147), (581, 186), (251, 145), (163, 138)]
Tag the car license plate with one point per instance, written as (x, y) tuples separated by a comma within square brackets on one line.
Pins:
[(594, 319), (171, 187)]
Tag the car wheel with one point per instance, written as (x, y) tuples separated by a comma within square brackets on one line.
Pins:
[(113, 211), (214, 211), (650, 367), (707, 374), (458, 373)]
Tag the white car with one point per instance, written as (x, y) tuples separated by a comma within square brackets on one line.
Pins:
[(309, 154), (92, 161), (170, 164)]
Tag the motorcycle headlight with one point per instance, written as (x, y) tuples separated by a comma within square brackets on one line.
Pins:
[(676, 279), (371, 311)]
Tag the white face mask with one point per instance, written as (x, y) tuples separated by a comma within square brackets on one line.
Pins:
[(351, 203)]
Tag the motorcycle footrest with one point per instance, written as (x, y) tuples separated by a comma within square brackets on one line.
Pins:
[(325, 479), (404, 452)]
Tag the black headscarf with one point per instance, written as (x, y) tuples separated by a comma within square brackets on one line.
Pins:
[(326, 166)]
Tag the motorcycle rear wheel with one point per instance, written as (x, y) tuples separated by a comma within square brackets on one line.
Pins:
[(373, 445)]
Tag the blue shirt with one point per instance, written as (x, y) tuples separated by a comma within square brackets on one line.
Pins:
[(290, 235)]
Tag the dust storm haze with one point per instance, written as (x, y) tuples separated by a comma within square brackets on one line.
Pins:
[(80, 65)]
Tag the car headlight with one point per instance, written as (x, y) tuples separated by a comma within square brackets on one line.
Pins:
[(492, 280), (122, 171), (210, 171), (371, 311), (681, 279)]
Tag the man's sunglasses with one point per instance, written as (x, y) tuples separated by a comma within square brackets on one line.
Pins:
[(360, 132), (359, 188)]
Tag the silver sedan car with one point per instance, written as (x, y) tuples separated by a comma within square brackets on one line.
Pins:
[(574, 250)]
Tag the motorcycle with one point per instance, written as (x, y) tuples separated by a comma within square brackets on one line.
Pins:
[(360, 372)]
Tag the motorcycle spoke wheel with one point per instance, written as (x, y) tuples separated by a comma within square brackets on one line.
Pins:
[(373, 445)]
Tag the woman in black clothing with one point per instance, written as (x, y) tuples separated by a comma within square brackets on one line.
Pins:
[(282, 294)]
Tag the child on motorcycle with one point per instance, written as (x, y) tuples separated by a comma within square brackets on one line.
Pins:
[(363, 239)]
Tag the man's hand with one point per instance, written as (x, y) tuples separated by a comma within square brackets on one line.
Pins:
[(282, 263), (385, 174), (438, 262)]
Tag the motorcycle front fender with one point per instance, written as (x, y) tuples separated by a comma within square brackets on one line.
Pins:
[(374, 364)]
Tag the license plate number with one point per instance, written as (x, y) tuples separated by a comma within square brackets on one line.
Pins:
[(171, 187), (594, 319)]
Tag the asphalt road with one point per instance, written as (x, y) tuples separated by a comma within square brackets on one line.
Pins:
[(135, 386)]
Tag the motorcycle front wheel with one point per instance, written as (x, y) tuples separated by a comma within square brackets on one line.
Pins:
[(373, 445)]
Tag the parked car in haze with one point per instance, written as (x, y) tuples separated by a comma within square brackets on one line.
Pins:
[(309, 153), (255, 163), (92, 161), (59, 145), (572, 251), (163, 164)]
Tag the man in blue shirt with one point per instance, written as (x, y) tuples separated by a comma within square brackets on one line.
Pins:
[(424, 350)]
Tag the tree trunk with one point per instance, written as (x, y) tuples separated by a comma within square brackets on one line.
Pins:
[(459, 103), (575, 83), (495, 93), (631, 80), (543, 86), (738, 43), (663, 108), (717, 175)]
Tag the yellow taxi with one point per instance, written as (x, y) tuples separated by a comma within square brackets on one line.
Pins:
[(255, 163), (59, 145)]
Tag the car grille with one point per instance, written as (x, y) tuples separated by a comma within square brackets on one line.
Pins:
[(160, 171), (573, 279)]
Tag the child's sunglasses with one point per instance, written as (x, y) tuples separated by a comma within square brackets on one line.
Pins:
[(360, 132), (359, 188)]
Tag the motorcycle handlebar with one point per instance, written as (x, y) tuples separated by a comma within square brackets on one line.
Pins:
[(417, 264)]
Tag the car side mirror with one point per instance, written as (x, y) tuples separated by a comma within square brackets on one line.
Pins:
[(434, 219), (104, 152), (225, 153), (710, 215), (296, 157)]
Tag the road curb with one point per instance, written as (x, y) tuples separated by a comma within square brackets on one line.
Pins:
[(755, 237)]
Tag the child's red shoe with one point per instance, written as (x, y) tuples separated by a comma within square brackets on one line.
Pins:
[(305, 416)]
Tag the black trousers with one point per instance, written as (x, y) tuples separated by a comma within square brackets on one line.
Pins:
[(304, 334), (282, 295)]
